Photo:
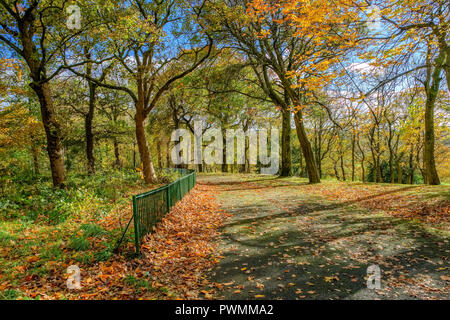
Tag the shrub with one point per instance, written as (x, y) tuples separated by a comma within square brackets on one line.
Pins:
[(168, 176), (79, 243), (103, 255), (92, 230)]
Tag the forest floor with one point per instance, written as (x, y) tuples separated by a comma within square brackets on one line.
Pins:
[(35, 255), (287, 239)]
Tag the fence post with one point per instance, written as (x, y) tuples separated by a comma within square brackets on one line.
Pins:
[(136, 227), (168, 198)]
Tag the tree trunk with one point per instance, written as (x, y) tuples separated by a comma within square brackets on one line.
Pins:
[(411, 167), (241, 168), (35, 153), (118, 163), (432, 90), (176, 122), (445, 49), (144, 151), (168, 154), (286, 143), (37, 65), (379, 173), (302, 169), (89, 117), (224, 152), (363, 157), (342, 168), (373, 153), (88, 120), (311, 167), (353, 157), (363, 174), (336, 172), (319, 166), (376, 168), (53, 134), (134, 154), (391, 167), (35, 150), (158, 147), (399, 172), (318, 150), (247, 155)]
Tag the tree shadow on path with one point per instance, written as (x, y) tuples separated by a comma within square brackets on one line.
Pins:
[(287, 244)]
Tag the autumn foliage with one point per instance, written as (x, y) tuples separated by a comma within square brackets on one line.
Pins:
[(175, 258)]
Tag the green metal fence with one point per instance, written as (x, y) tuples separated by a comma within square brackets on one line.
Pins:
[(150, 207)]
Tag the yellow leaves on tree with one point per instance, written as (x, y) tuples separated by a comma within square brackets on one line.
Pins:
[(18, 128), (11, 72), (323, 28), (411, 26)]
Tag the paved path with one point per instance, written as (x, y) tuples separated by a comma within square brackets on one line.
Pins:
[(284, 243)]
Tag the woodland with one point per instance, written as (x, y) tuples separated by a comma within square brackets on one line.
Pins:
[(92, 90)]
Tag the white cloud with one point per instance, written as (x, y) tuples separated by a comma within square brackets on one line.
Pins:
[(366, 69)]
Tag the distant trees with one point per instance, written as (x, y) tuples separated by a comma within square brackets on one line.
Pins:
[(363, 101), (416, 41), (291, 46), (268, 62), (137, 42)]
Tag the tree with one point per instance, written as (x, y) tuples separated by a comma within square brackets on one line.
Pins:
[(89, 115), (137, 41), (291, 45), (417, 32), (243, 35), (114, 106), (26, 29)]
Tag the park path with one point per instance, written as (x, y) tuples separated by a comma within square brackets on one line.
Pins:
[(283, 242)]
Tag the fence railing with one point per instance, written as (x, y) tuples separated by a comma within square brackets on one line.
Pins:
[(150, 207)]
